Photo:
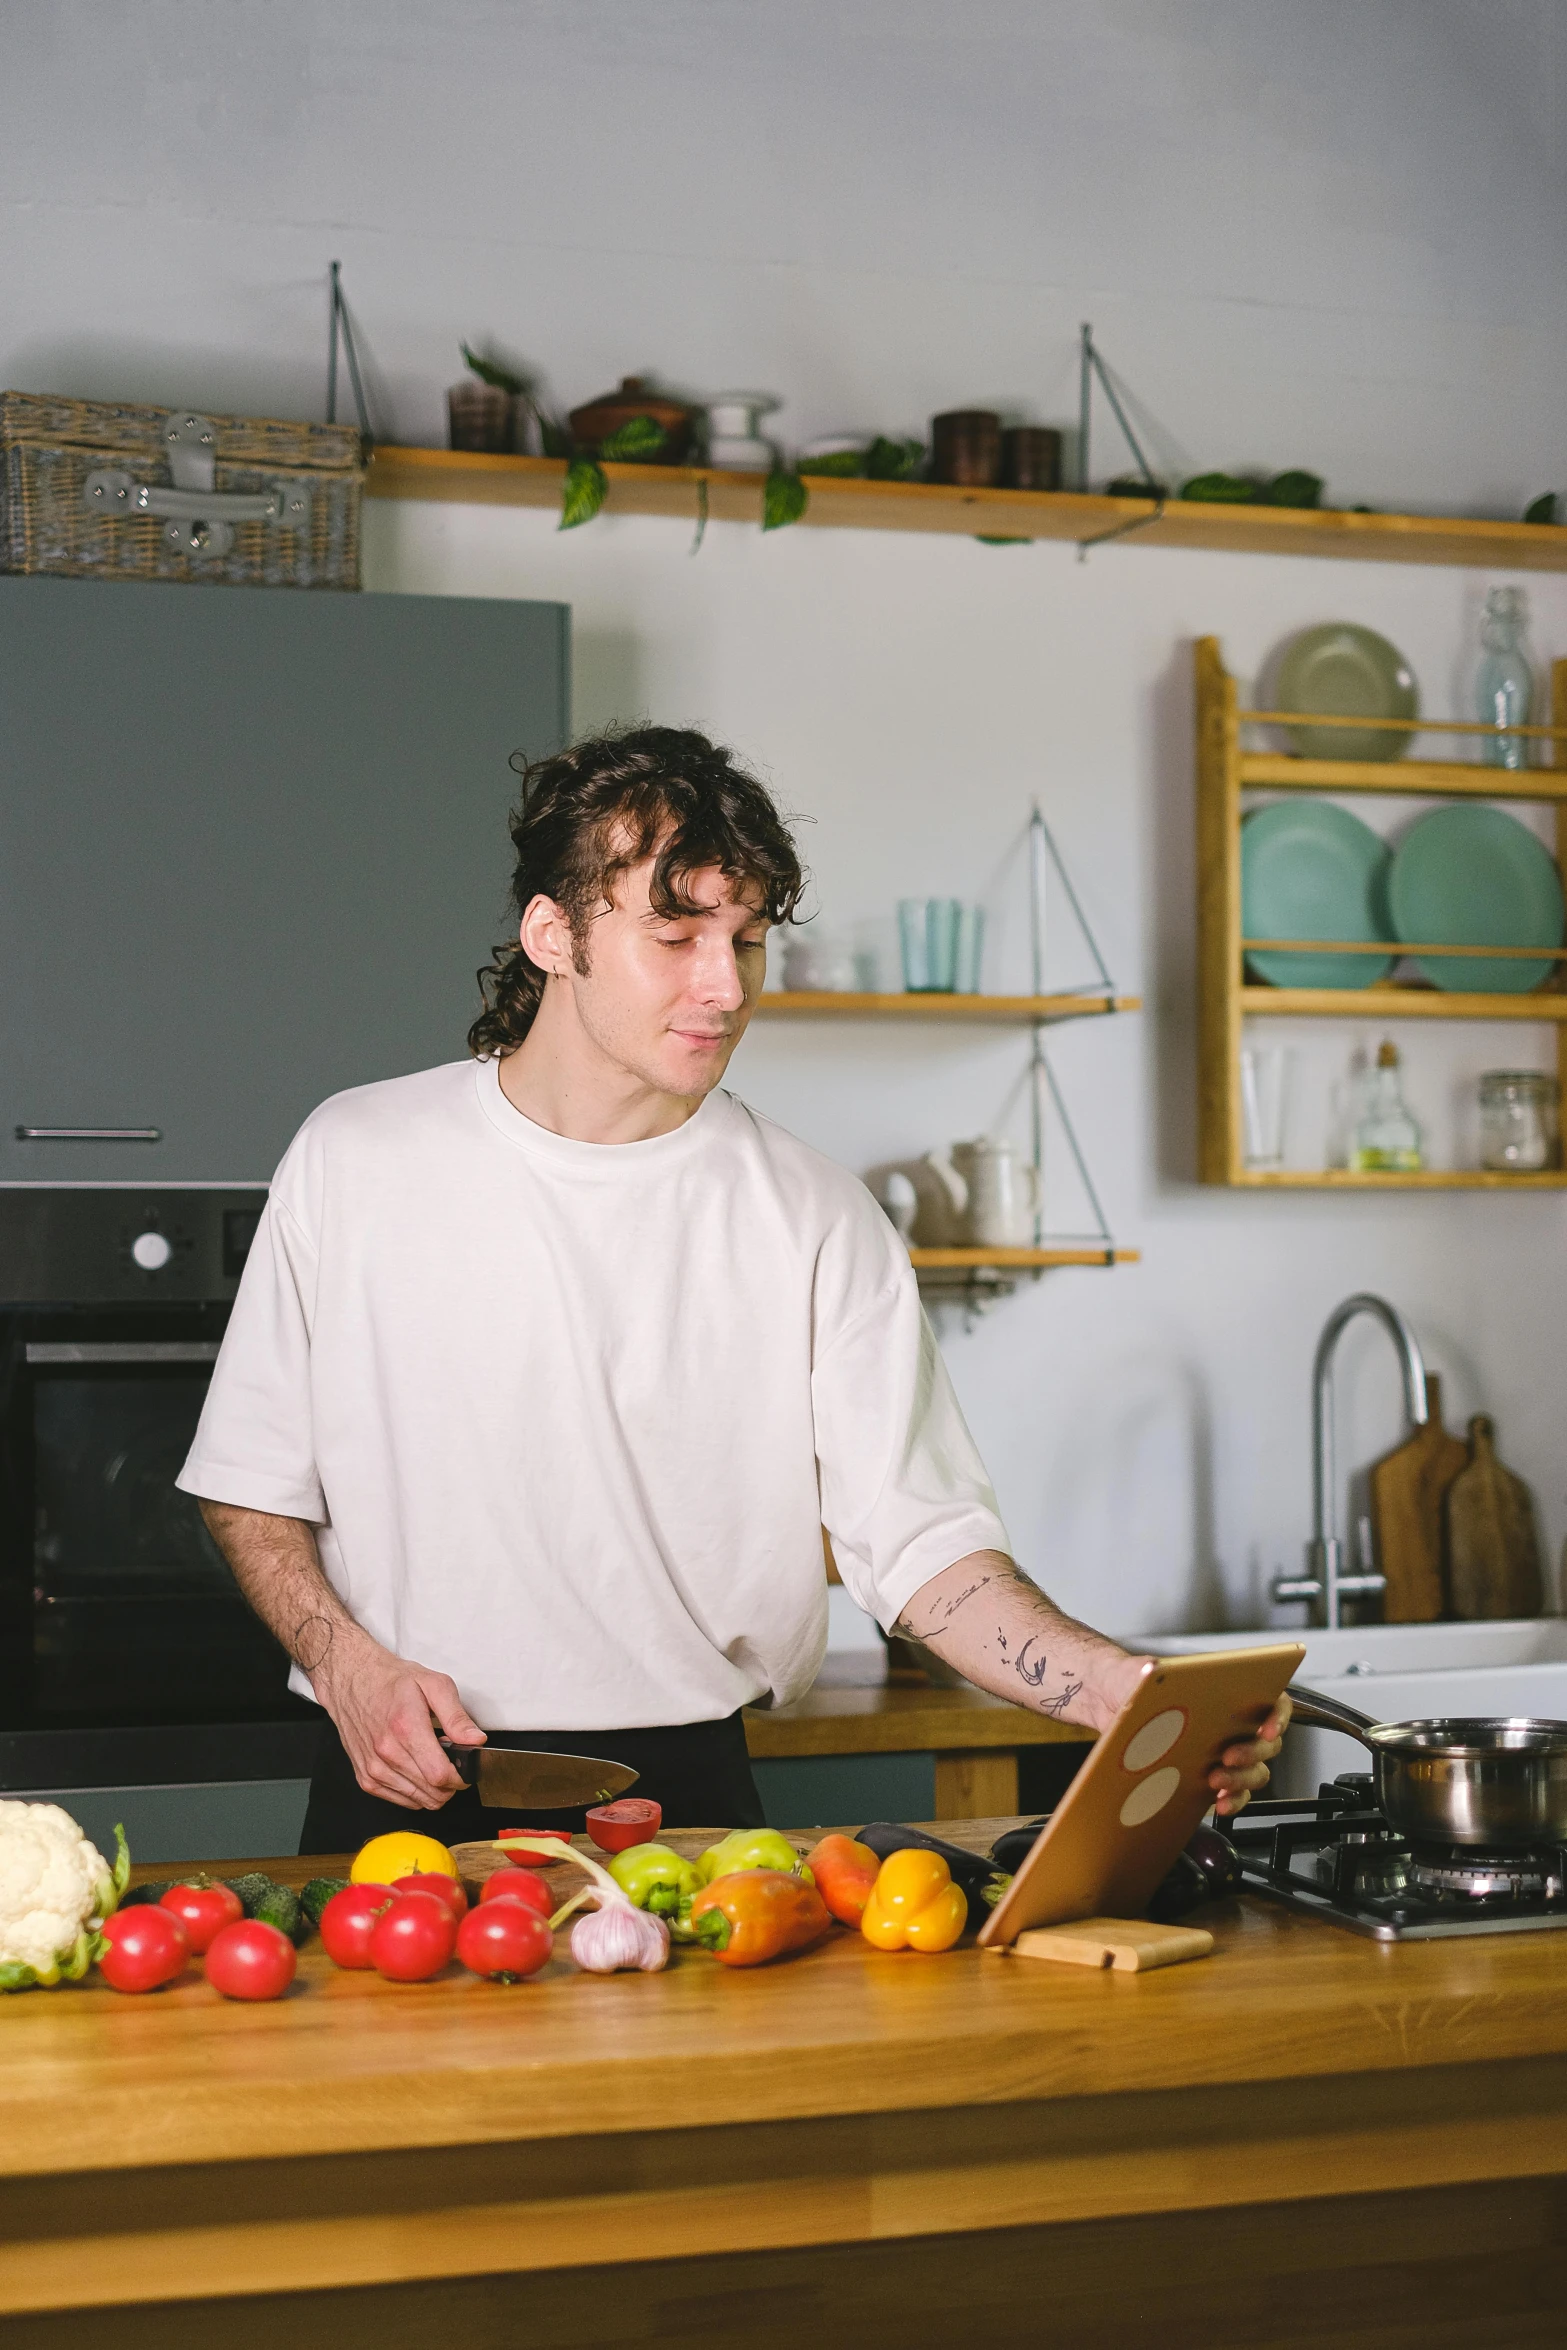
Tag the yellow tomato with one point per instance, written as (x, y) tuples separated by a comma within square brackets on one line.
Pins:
[(401, 1853)]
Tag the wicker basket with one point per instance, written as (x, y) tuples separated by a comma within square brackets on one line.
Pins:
[(100, 491)]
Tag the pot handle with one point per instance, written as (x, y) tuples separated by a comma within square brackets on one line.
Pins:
[(1328, 1713)]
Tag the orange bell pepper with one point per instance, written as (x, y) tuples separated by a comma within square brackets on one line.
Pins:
[(845, 1872), (753, 1915), (914, 1904)]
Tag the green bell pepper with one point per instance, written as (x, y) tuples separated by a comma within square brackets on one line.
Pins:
[(752, 1848), (656, 1878)]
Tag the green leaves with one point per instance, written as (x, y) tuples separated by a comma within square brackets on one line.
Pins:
[(894, 460), (637, 438), (489, 371), (583, 494), (784, 499), (1542, 509)]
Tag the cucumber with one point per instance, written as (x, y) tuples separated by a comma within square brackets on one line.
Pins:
[(279, 1906), (315, 1896)]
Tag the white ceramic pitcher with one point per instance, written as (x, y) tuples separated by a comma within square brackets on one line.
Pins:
[(992, 1190)]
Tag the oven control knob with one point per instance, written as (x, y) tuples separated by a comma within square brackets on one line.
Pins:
[(151, 1251)]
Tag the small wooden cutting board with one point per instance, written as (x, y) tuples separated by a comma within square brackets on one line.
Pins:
[(1408, 1487), (1130, 1945), (1493, 1544)]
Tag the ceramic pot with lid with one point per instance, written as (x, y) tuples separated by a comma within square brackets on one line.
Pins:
[(593, 424)]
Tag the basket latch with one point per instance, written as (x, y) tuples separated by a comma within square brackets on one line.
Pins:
[(199, 517)]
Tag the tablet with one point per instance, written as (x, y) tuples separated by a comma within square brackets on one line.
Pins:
[(1142, 1791)]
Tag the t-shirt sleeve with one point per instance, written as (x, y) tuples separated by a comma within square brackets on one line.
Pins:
[(904, 1492), (254, 1445)]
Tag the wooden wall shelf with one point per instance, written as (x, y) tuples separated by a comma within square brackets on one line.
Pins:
[(1225, 773), (454, 476), (1019, 1260), (1011, 1010)]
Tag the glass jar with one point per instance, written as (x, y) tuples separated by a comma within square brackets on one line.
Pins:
[(1504, 681), (1518, 1124)]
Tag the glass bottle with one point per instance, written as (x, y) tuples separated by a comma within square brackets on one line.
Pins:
[(1387, 1139), (1504, 681)]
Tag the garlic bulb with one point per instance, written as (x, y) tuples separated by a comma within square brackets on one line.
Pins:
[(616, 1935)]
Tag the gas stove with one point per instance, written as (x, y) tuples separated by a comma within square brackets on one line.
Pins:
[(1335, 1857)]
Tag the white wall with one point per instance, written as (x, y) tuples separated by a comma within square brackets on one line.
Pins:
[(1324, 235)]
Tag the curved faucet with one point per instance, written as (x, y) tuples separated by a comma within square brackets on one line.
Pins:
[(1324, 1578)]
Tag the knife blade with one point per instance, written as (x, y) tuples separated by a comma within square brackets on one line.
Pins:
[(515, 1778)]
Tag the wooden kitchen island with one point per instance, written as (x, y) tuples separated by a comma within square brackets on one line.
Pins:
[(1305, 2139)]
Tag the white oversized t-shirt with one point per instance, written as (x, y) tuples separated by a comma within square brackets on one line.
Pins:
[(569, 1416)]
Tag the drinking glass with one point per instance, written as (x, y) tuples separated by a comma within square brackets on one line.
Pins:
[(928, 934), (1264, 1104), (971, 948)]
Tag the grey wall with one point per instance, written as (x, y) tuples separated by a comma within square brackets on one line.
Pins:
[(1323, 234)]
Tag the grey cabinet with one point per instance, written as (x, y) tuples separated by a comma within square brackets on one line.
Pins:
[(253, 849)]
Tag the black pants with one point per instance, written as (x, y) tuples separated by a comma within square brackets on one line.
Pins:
[(699, 1771)]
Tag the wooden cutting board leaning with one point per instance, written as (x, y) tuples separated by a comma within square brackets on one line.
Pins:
[(1493, 1543), (1408, 1488)]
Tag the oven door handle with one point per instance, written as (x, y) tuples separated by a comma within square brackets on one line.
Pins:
[(129, 1350)]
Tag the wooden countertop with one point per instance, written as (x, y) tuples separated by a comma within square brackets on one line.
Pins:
[(172, 2152), (844, 1715)]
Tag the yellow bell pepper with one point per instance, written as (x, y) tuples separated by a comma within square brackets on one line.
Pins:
[(914, 1904)]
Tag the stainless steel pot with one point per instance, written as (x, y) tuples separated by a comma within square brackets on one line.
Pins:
[(1498, 1784)]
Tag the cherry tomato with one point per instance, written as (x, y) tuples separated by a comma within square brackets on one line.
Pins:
[(348, 1921), (202, 1910), (147, 1948), (504, 1940), (251, 1961), (519, 1885), (615, 1827), (445, 1889), (534, 1860), (413, 1939)]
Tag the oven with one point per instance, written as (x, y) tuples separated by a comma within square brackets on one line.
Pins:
[(117, 1612)]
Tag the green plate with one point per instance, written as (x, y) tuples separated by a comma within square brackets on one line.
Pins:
[(1476, 877), (1311, 870), (1350, 672)]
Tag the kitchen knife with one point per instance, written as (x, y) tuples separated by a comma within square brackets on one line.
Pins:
[(514, 1778)]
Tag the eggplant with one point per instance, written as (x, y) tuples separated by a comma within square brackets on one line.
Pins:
[(981, 1879)]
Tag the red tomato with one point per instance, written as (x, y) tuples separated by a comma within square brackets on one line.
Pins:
[(348, 1921), (534, 1860), (413, 1939), (504, 1940), (251, 1961), (147, 1948), (522, 1885), (445, 1889), (615, 1827), (202, 1910)]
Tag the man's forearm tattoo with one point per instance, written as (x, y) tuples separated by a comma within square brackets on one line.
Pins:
[(943, 1614), (312, 1639)]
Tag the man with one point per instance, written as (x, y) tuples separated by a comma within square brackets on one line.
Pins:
[(548, 1366)]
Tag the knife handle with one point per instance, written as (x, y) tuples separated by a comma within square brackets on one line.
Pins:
[(464, 1759)]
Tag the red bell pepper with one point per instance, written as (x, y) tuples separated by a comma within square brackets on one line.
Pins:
[(845, 1873)]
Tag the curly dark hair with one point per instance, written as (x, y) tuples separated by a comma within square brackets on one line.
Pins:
[(590, 812)]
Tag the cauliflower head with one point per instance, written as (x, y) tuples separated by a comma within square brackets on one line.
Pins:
[(56, 1889)]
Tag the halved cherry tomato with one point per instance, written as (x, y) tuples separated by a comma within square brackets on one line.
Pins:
[(413, 1939), (504, 1940), (348, 1921), (445, 1889), (522, 1885), (615, 1827), (535, 1860), (251, 1961), (147, 1948), (202, 1910)]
